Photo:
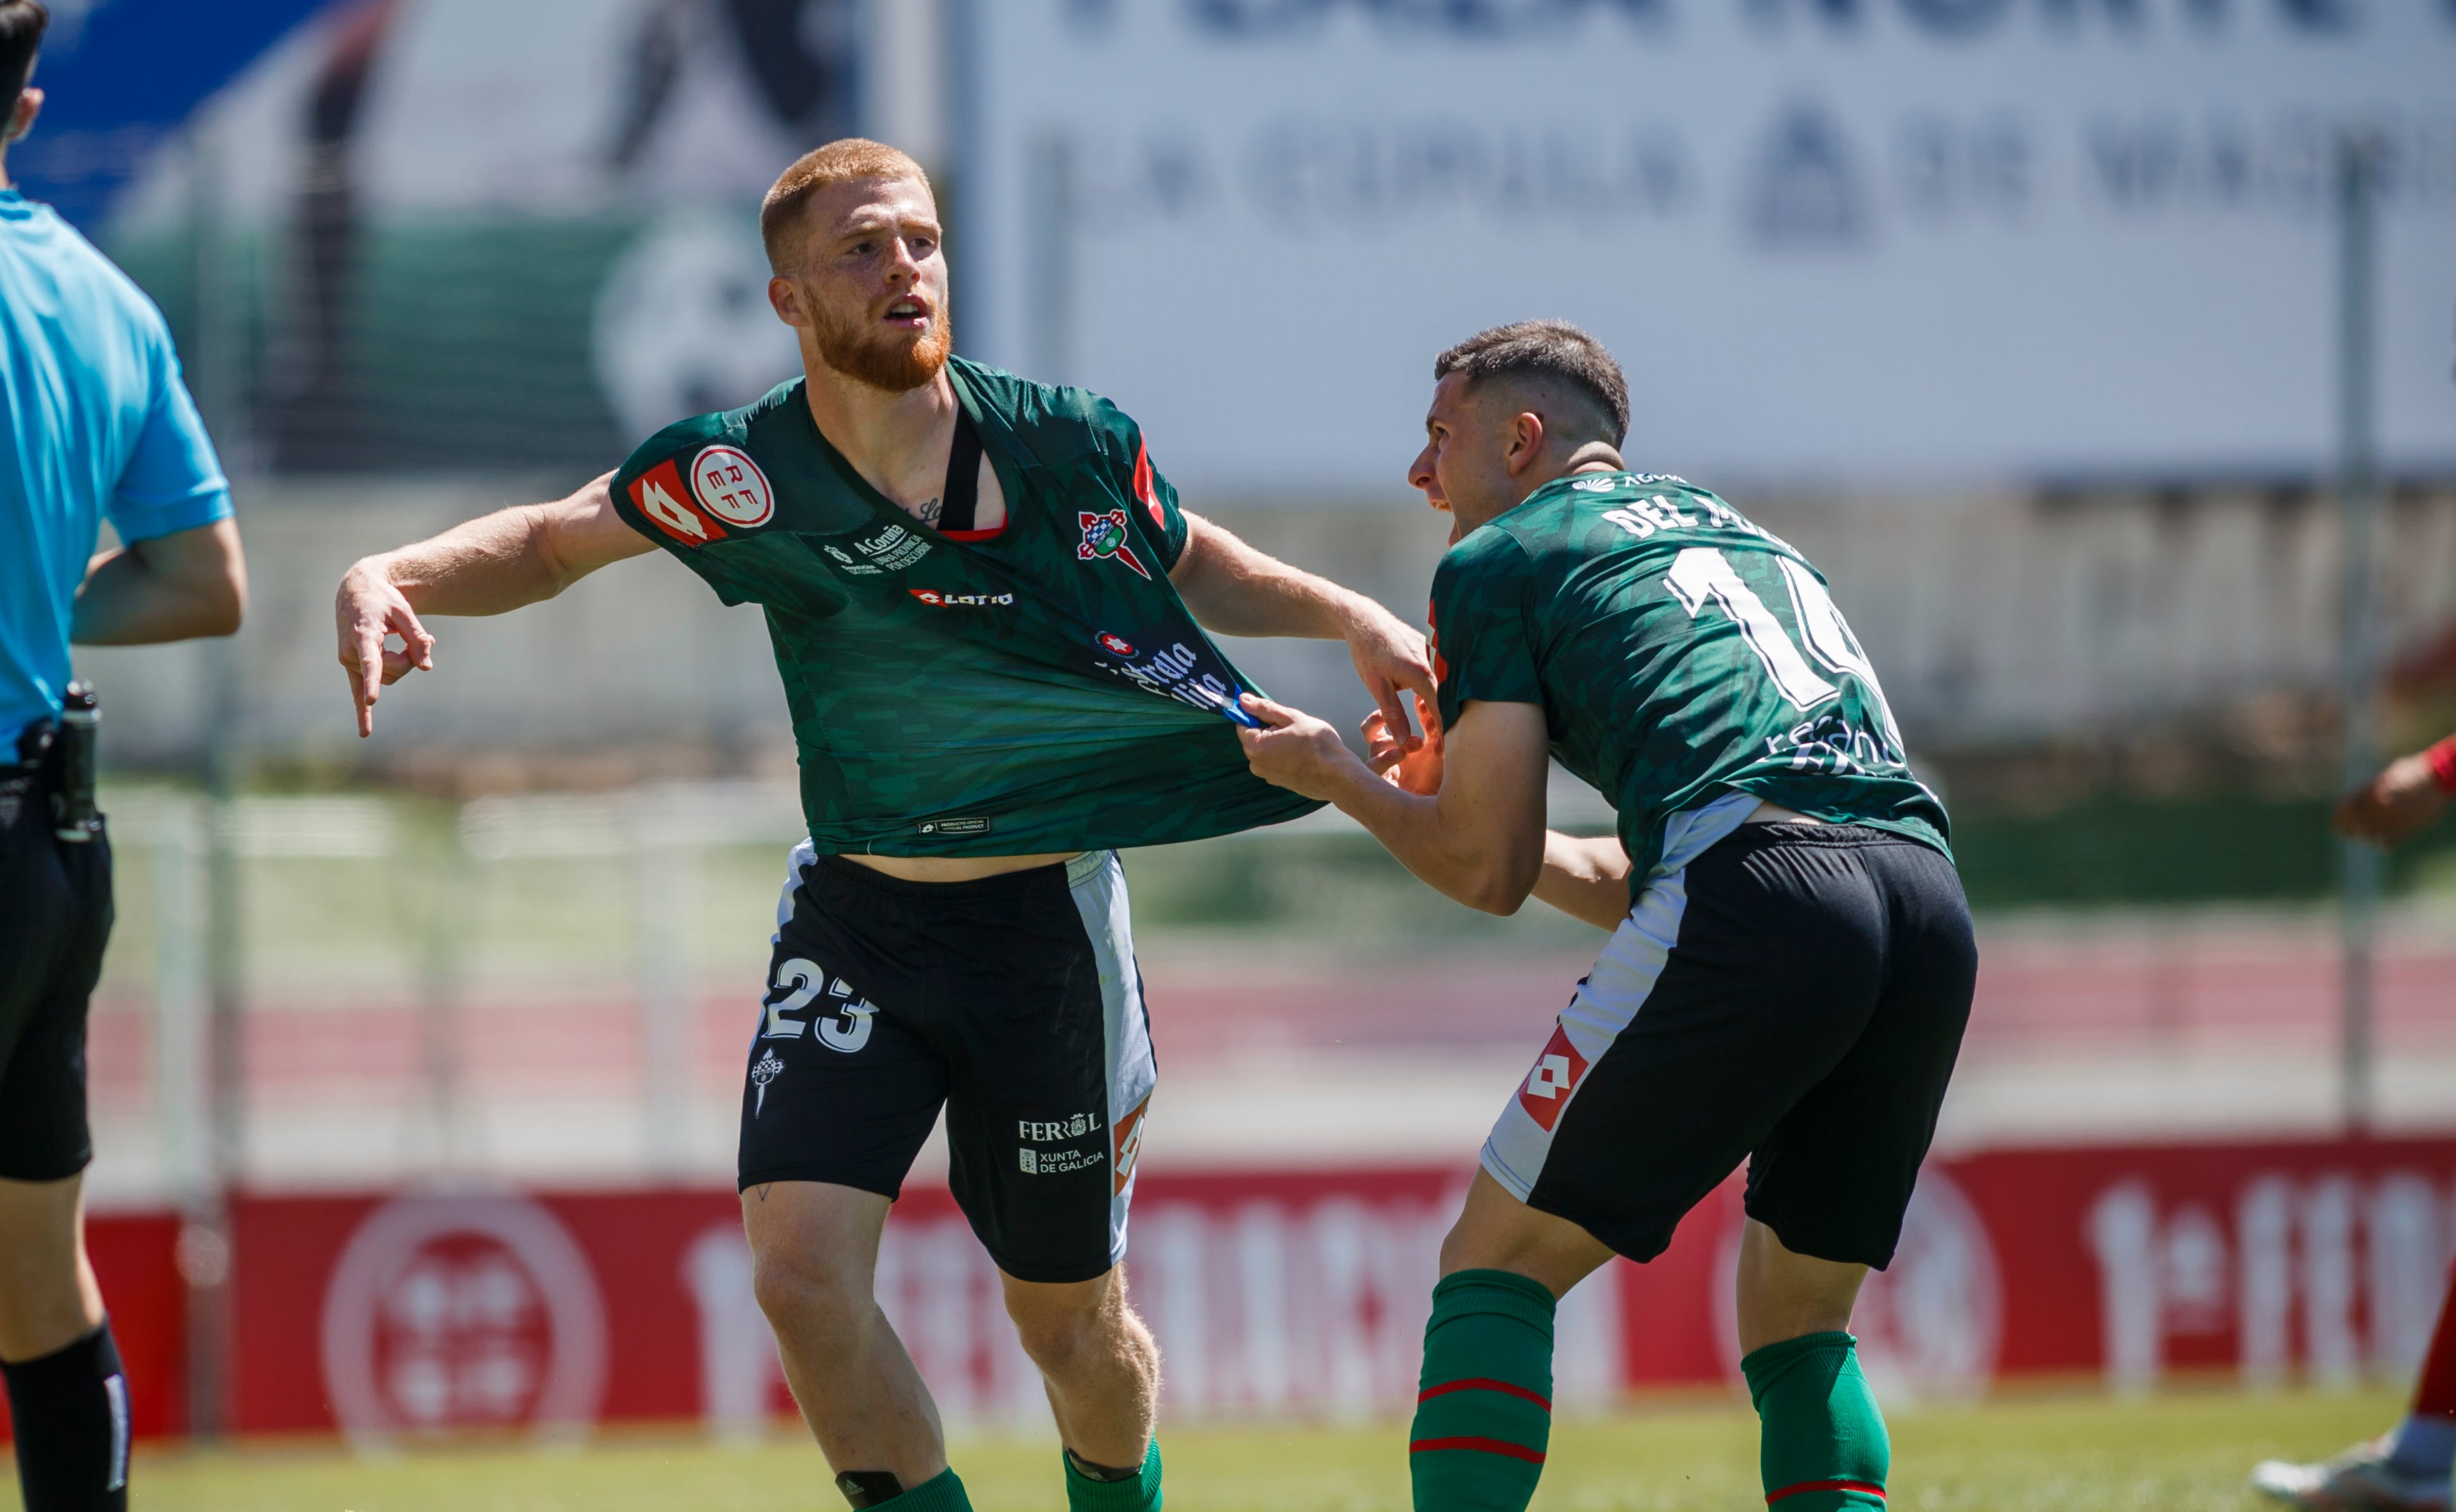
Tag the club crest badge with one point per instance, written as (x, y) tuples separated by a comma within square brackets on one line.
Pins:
[(1104, 538), (763, 1070)]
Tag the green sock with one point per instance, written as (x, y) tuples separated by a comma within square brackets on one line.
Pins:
[(1138, 1492), (1823, 1444), (1484, 1412), (940, 1493)]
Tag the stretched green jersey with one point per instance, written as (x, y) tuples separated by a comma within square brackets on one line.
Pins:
[(1681, 654), (1037, 688)]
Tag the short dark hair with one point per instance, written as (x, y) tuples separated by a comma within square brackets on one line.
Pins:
[(22, 23), (1545, 352)]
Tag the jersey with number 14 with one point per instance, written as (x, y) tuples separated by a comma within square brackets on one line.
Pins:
[(1680, 652)]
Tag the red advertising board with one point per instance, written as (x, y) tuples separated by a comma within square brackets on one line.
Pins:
[(135, 1257), (411, 1313)]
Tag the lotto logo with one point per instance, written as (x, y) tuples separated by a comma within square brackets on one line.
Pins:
[(660, 495), (1126, 1141), (1557, 1073)]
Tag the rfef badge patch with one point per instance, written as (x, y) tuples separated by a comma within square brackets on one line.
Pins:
[(731, 487), (1104, 539), (660, 495)]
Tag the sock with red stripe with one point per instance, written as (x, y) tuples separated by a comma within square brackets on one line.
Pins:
[(1821, 1441), (1484, 1412)]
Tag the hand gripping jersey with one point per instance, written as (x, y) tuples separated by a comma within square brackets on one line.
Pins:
[(1038, 689), (1680, 653)]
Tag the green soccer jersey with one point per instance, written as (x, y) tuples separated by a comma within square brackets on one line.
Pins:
[(1040, 687), (1680, 653)]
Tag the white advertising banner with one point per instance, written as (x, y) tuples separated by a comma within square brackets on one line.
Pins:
[(1836, 243)]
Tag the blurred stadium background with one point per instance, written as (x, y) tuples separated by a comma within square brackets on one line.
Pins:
[(2098, 349)]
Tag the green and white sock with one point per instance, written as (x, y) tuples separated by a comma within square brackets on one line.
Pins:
[(1483, 1407), (1138, 1492), (1823, 1444)]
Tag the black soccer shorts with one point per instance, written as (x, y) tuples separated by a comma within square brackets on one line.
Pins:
[(55, 916), (1012, 1001), (1794, 996)]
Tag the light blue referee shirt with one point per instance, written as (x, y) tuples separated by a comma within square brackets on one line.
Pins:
[(96, 422)]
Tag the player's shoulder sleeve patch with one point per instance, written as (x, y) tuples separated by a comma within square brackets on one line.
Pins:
[(694, 483)]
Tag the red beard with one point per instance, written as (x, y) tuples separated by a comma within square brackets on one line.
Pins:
[(884, 359)]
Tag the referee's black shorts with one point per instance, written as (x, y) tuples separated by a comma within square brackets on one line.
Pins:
[(54, 918), (1794, 997)]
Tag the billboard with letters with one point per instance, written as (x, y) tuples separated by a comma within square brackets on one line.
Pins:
[(1836, 242), (396, 1317)]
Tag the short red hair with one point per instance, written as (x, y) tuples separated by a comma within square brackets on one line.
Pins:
[(839, 162)]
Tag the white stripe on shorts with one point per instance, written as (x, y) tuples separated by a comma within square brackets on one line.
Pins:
[(1606, 1002), (115, 1388), (1098, 884)]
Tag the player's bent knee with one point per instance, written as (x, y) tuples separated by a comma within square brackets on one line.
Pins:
[(1058, 1322), (802, 1292), (1051, 1339), (1496, 1232)]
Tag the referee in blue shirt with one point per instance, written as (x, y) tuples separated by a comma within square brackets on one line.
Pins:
[(94, 422)]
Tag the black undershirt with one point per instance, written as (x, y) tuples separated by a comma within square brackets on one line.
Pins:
[(962, 494)]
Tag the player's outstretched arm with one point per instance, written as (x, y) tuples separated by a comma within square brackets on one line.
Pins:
[(1236, 591), (1586, 879), (488, 565), (173, 587), (2405, 797), (1479, 838)]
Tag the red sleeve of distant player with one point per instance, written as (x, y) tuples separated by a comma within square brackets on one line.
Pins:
[(662, 500), (2442, 758)]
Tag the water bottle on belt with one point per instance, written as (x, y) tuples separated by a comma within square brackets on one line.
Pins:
[(75, 818)]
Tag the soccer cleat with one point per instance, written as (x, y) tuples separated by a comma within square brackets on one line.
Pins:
[(2359, 1480)]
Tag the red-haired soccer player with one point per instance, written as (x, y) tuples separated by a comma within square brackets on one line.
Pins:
[(2407, 1470), (990, 616)]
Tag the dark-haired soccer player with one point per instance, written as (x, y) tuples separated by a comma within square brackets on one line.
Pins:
[(95, 424), (984, 601), (1790, 964)]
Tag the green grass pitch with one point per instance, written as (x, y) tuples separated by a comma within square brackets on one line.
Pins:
[(2182, 1452)]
